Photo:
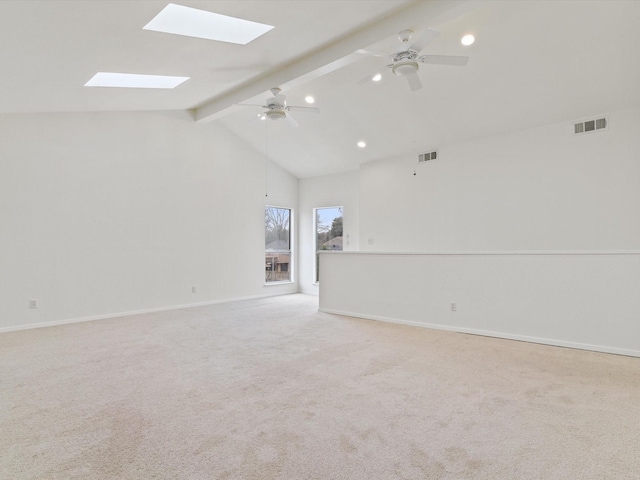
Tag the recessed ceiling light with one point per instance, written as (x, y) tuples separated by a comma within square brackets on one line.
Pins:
[(377, 77), (468, 40), (361, 144), (309, 99), (133, 80), (192, 22)]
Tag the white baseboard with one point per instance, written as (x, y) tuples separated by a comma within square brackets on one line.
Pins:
[(487, 333), (132, 312)]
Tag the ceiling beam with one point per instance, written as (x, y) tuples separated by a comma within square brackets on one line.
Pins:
[(336, 55)]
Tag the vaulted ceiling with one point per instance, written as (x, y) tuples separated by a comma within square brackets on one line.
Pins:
[(533, 63)]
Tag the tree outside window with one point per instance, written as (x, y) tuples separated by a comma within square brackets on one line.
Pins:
[(328, 232)]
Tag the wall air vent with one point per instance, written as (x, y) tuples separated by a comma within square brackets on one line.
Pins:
[(425, 157), (589, 126)]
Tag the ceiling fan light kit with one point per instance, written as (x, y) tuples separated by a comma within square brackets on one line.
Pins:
[(276, 114), (404, 67)]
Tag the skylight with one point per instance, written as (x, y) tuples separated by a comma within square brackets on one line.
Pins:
[(192, 22), (132, 80)]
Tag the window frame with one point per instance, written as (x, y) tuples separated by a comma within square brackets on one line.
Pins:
[(290, 268), (316, 259)]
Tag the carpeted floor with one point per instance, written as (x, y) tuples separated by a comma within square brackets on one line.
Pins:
[(272, 389)]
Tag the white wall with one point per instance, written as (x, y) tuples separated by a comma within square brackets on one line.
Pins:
[(539, 189), (117, 212), (327, 191), (507, 205), (586, 300)]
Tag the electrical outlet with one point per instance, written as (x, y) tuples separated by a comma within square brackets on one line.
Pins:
[(454, 306), (194, 289), (370, 241), (33, 303)]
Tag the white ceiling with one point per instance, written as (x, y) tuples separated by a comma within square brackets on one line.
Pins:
[(533, 63)]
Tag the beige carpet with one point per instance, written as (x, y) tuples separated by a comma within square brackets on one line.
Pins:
[(272, 389)]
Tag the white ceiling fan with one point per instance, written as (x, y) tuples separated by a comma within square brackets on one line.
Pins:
[(407, 59), (277, 109)]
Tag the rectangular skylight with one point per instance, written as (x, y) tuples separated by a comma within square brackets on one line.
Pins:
[(192, 22), (133, 80)]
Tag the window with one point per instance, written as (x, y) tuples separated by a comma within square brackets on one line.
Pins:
[(328, 232), (277, 244)]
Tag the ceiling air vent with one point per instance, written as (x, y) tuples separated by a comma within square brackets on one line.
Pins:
[(588, 126), (425, 157)]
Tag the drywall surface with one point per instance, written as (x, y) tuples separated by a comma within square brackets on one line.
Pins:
[(561, 208), (587, 301), (117, 212), (538, 189), (326, 191)]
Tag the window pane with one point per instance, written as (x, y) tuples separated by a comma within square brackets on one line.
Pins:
[(277, 242), (277, 267), (277, 235), (328, 232)]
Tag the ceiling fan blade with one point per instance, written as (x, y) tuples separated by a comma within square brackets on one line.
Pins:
[(373, 53), (302, 109), (414, 81), (291, 121), (427, 37), (259, 117), (248, 105), (454, 60), (367, 79)]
